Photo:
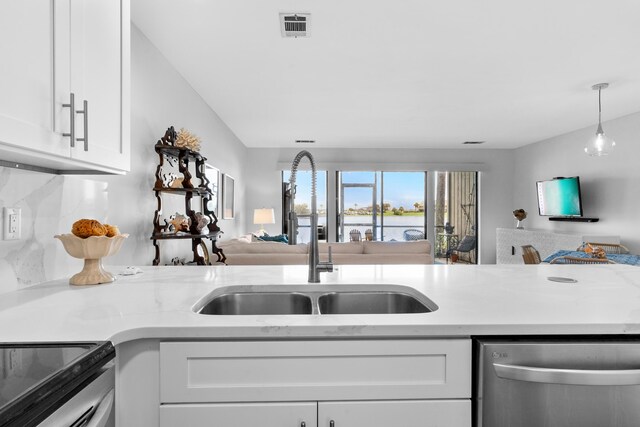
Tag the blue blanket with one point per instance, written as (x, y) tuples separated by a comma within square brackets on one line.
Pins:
[(617, 258)]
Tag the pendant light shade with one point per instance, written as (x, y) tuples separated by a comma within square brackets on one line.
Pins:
[(599, 144)]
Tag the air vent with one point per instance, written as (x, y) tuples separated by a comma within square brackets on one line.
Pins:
[(295, 24), (473, 142), (305, 141)]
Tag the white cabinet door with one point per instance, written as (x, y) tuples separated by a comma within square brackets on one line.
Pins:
[(412, 413), (30, 108), (302, 414), (99, 79)]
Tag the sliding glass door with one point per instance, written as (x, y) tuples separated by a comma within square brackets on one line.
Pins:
[(455, 216), (381, 206)]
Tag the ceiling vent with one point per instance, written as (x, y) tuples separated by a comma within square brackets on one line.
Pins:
[(295, 24), (305, 141), (473, 142)]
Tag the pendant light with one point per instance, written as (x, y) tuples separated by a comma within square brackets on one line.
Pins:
[(599, 144)]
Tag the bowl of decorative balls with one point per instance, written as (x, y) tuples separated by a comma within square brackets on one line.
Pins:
[(90, 240)]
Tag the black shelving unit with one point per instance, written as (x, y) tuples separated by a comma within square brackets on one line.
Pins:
[(183, 156)]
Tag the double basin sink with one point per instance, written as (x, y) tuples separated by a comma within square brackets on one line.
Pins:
[(314, 299)]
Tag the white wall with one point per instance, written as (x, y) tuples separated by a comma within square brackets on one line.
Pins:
[(264, 180), (610, 185), (49, 205), (161, 97)]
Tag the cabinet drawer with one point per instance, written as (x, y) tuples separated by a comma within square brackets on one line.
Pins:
[(314, 370), (240, 414)]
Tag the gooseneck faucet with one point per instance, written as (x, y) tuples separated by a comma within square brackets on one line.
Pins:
[(315, 266)]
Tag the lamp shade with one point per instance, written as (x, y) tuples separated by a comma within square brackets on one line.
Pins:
[(599, 145), (264, 216)]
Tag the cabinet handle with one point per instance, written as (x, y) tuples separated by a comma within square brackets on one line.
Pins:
[(72, 119), (332, 423), (85, 113), (303, 424)]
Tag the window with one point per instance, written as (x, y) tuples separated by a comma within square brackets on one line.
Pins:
[(382, 205), (303, 203)]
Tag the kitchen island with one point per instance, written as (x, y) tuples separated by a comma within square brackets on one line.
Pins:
[(472, 300), (165, 351)]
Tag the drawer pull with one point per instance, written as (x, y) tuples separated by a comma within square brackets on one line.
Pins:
[(332, 423), (303, 424)]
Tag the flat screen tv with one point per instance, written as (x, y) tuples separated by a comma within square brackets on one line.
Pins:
[(560, 197)]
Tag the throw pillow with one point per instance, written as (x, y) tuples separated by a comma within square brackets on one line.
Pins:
[(279, 238)]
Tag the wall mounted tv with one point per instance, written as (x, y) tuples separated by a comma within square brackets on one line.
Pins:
[(560, 197)]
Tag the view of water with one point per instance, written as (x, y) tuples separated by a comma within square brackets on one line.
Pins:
[(394, 226)]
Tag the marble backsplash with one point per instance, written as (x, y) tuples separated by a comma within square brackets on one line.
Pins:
[(50, 204)]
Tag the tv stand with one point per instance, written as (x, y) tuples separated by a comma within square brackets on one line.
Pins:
[(573, 219)]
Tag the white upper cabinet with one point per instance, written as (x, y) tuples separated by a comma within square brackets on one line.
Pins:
[(28, 118), (97, 81), (53, 49)]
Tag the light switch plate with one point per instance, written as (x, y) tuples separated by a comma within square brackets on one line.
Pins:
[(12, 223)]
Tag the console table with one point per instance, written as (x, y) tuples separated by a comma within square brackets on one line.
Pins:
[(509, 242)]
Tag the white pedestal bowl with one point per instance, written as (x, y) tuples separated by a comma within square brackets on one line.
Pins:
[(92, 250)]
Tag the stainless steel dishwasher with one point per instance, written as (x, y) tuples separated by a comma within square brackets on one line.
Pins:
[(557, 383)]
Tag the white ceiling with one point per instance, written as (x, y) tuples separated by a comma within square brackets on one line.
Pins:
[(403, 73)]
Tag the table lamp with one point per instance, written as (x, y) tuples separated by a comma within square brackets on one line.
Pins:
[(263, 216)]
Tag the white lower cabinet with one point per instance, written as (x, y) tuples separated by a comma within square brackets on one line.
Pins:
[(412, 413), (396, 413), (354, 383), (241, 415)]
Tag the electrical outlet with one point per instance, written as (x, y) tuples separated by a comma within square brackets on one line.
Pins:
[(12, 223)]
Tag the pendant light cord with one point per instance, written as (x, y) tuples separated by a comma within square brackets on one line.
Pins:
[(599, 107), (599, 131)]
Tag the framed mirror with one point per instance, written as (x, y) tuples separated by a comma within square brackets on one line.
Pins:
[(228, 209)]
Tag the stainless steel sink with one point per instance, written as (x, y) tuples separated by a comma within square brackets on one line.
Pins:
[(258, 303), (314, 299), (370, 303)]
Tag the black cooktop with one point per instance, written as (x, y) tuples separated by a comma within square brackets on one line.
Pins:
[(38, 378)]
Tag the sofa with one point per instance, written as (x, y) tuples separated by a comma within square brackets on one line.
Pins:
[(244, 252)]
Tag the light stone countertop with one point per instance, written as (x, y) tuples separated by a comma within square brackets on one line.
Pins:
[(472, 300)]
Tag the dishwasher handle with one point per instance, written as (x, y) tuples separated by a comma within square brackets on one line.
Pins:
[(567, 376)]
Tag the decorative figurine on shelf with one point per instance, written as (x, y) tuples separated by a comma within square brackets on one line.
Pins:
[(520, 215), (448, 228), (201, 222), (169, 137), (179, 222), (186, 139), (177, 183), (177, 261), (168, 179)]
